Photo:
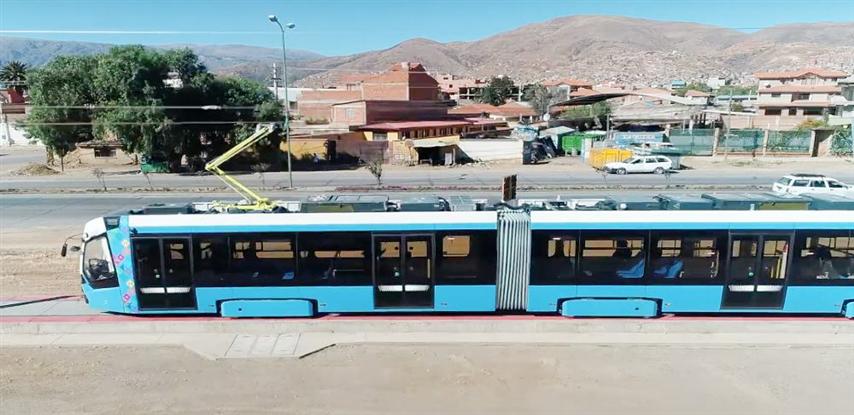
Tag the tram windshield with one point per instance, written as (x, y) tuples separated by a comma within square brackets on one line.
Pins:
[(96, 260)]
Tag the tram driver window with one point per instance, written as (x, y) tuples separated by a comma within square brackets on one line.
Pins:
[(335, 258), (615, 257), (825, 256), (554, 257), (97, 264), (675, 257)]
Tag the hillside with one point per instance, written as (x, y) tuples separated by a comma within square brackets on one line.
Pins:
[(599, 48), (241, 60), (619, 49)]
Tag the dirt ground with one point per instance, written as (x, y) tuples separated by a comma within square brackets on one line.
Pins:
[(437, 379), (25, 272)]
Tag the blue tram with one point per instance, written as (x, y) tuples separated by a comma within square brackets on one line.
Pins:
[(503, 260)]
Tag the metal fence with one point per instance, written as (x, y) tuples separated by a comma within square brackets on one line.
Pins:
[(741, 141), (694, 142), (788, 142), (840, 143)]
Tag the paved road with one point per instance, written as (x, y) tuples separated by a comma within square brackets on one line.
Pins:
[(597, 377), (557, 176), (27, 212)]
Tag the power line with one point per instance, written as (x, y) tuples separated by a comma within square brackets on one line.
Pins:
[(81, 123), (180, 107)]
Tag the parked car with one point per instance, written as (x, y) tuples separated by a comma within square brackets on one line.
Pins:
[(797, 184), (640, 164)]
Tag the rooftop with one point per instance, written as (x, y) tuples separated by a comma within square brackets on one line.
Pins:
[(403, 125), (695, 93), (801, 73), (476, 108), (799, 103), (582, 92), (830, 89), (570, 82)]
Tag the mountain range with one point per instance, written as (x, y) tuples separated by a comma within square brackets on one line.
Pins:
[(623, 50)]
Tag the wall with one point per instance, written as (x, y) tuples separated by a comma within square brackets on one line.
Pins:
[(378, 111), (370, 112), (318, 104), (771, 122), (86, 156), (491, 149), (365, 150), (11, 134), (398, 91), (389, 135), (353, 113)]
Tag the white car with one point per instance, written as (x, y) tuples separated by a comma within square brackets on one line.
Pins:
[(797, 184), (640, 164)]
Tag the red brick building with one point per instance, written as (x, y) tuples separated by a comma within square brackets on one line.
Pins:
[(405, 81)]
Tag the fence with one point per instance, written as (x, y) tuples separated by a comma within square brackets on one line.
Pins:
[(694, 142), (755, 141), (741, 141), (788, 142), (840, 143)]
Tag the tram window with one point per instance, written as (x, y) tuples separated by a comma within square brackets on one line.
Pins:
[(267, 260), (824, 257), (97, 265), (210, 265), (336, 258), (685, 257), (553, 259), (618, 257), (466, 258), (774, 259)]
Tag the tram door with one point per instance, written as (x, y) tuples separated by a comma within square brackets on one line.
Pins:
[(758, 264), (403, 271), (164, 273)]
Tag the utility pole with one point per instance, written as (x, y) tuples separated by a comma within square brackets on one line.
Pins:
[(275, 80), (729, 117), (275, 20)]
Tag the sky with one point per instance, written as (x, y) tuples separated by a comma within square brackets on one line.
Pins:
[(350, 26)]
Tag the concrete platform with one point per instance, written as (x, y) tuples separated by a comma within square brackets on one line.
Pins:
[(221, 338), (69, 322)]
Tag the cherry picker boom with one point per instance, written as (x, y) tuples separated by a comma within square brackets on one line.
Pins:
[(253, 201)]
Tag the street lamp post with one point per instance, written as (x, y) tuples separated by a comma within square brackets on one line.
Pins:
[(275, 20)]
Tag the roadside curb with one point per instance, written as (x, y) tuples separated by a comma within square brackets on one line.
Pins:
[(350, 189)]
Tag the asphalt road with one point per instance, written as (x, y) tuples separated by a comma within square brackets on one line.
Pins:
[(28, 212), (539, 176)]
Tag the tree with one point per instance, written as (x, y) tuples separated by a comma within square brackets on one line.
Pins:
[(696, 86), (539, 97), (128, 81), (15, 73), (123, 95), (581, 112), (497, 91), (59, 92), (808, 125), (375, 167), (736, 90)]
